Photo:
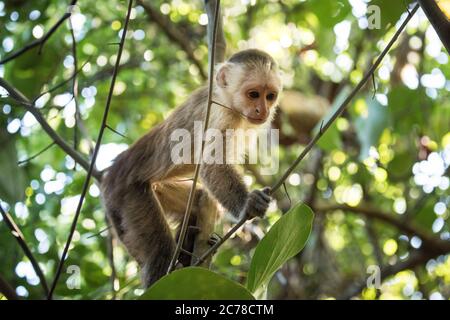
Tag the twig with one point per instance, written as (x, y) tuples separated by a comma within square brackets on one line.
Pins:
[(62, 83), (173, 33), (75, 88), (100, 232), (18, 235), (187, 214), (20, 98), (21, 162), (7, 290), (94, 155), (40, 42), (117, 132), (323, 129), (113, 276)]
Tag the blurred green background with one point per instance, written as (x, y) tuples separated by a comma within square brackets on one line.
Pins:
[(378, 184)]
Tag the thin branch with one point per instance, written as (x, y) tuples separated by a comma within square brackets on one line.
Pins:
[(40, 42), (94, 155), (220, 43), (7, 290), (18, 235), (62, 83), (75, 88), (113, 277), (312, 143), (20, 98), (173, 33), (21, 162), (187, 214), (117, 132)]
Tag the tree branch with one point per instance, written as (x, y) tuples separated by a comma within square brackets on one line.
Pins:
[(40, 42), (7, 290), (29, 106), (430, 242), (173, 33), (94, 155), (438, 19), (18, 235), (220, 42)]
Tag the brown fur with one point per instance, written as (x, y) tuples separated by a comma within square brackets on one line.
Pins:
[(142, 191)]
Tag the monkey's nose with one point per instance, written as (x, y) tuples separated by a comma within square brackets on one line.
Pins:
[(257, 110)]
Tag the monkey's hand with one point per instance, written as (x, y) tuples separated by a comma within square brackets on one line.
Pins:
[(257, 203)]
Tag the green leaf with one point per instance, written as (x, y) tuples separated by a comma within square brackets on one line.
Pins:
[(370, 128), (329, 13), (285, 239), (194, 283), (390, 12)]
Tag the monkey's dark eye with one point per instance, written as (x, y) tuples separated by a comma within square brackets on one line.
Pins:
[(253, 94), (271, 96)]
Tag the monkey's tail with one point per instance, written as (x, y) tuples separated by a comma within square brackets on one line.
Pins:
[(142, 228)]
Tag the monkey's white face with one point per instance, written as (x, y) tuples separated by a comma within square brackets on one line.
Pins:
[(258, 97), (254, 94)]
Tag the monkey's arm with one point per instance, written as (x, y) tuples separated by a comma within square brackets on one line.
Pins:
[(227, 187)]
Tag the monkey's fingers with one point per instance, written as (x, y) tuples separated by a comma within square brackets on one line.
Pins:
[(259, 194), (262, 197), (213, 239)]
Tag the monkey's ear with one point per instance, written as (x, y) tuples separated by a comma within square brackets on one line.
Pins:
[(222, 75)]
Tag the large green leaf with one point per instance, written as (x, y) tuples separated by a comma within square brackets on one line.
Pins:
[(285, 239), (196, 283), (370, 128)]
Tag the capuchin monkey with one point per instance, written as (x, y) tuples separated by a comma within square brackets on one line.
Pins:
[(144, 190)]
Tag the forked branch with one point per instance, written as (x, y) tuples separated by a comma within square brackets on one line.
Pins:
[(41, 41)]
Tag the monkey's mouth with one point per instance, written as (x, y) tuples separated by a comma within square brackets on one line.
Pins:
[(256, 120)]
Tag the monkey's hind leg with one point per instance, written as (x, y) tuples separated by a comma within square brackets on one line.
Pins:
[(206, 213), (173, 197), (146, 235)]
